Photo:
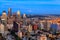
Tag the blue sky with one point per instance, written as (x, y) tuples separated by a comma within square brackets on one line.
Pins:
[(31, 6)]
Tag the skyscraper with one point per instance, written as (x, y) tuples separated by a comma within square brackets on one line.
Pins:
[(9, 12), (4, 18), (24, 15), (4, 15), (18, 15)]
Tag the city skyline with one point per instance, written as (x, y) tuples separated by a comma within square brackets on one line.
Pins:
[(31, 6)]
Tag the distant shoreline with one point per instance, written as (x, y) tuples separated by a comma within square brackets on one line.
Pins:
[(46, 15)]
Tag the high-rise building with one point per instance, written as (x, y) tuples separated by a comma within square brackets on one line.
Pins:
[(48, 24), (24, 15), (4, 15), (18, 15), (9, 12), (30, 28), (4, 18)]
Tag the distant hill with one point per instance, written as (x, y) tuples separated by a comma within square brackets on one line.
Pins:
[(47, 15), (32, 16)]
